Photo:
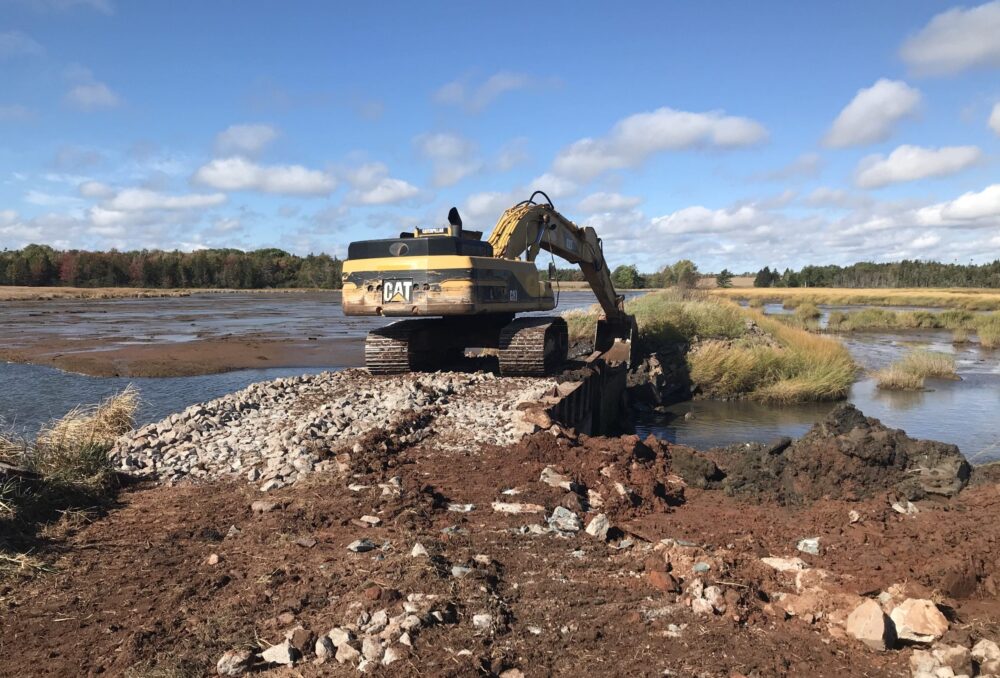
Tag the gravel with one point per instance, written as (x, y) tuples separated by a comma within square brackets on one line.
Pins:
[(276, 433)]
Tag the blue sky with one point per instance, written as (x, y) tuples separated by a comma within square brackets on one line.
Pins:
[(734, 134)]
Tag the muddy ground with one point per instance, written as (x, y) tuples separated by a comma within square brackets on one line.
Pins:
[(174, 576)]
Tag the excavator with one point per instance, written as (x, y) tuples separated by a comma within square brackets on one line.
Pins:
[(458, 291)]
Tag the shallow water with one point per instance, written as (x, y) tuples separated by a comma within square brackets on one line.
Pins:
[(31, 395), (965, 413)]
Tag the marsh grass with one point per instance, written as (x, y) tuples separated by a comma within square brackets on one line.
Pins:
[(960, 336), (64, 470), (910, 373), (807, 311), (738, 353), (969, 299), (988, 330)]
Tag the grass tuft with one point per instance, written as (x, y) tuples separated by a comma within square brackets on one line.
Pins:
[(909, 373), (988, 330), (895, 378), (737, 353), (807, 311)]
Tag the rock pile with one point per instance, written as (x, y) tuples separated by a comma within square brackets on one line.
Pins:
[(277, 432)]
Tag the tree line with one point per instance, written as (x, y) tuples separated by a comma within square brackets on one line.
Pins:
[(905, 273), (40, 265)]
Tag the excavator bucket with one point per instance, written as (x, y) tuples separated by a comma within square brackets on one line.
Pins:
[(617, 339)]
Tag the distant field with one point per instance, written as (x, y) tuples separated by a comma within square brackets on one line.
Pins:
[(971, 299), (43, 293)]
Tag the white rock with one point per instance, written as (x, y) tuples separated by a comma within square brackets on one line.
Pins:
[(361, 546), (785, 564), (482, 621), (564, 520), (987, 654), (599, 526), (418, 550), (347, 653), (809, 545), (702, 606), (918, 620), (325, 647), (234, 663), (282, 653), (371, 649), (555, 479), (340, 636), (371, 520), (508, 507), (868, 623), (713, 594)]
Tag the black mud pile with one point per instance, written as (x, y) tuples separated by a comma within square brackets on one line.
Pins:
[(846, 456)]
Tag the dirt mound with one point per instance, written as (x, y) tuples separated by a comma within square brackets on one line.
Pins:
[(845, 456)]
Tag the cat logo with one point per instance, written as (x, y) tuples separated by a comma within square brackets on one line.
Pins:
[(397, 290)]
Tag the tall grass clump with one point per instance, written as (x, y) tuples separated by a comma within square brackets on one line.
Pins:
[(909, 373), (988, 330), (66, 466), (960, 336), (807, 311)]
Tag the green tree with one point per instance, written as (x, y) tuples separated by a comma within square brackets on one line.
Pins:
[(627, 277), (685, 273), (724, 279)]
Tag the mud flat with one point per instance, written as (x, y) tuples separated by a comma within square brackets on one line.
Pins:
[(421, 535)]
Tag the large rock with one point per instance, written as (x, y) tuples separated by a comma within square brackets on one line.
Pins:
[(918, 620), (958, 658), (869, 624)]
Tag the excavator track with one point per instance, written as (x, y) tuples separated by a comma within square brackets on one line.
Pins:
[(533, 347), (389, 349)]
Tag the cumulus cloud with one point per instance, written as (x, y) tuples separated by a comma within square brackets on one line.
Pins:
[(139, 199), (95, 189), (16, 44), (608, 202), (635, 138), (89, 94), (699, 219), (240, 174), (909, 163), (248, 139), (553, 185), (956, 40), (995, 118), (824, 196), (475, 97), (872, 114), (373, 186), (453, 157)]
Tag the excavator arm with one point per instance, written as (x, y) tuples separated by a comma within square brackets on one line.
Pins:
[(528, 227)]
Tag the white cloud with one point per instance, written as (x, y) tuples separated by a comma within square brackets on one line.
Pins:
[(15, 113), (553, 185), (453, 157), (8, 217), (91, 95), (973, 206), (95, 189), (141, 199), (639, 136), (872, 114), (486, 207), (909, 163), (699, 219), (373, 185), (36, 197), (995, 118), (244, 139), (474, 98), (240, 174), (608, 202), (955, 40), (17, 44)]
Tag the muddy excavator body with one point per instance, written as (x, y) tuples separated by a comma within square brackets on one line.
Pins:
[(458, 291)]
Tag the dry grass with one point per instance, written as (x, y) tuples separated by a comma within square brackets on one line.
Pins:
[(807, 311), (887, 319), (970, 299), (737, 353), (910, 373), (988, 330), (65, 469), (895, 378), (960, 336)]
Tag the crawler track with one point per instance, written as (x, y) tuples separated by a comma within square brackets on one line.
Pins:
[(533, 347), (390, 350)]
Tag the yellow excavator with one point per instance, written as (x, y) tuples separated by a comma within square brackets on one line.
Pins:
[(461, 292)]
